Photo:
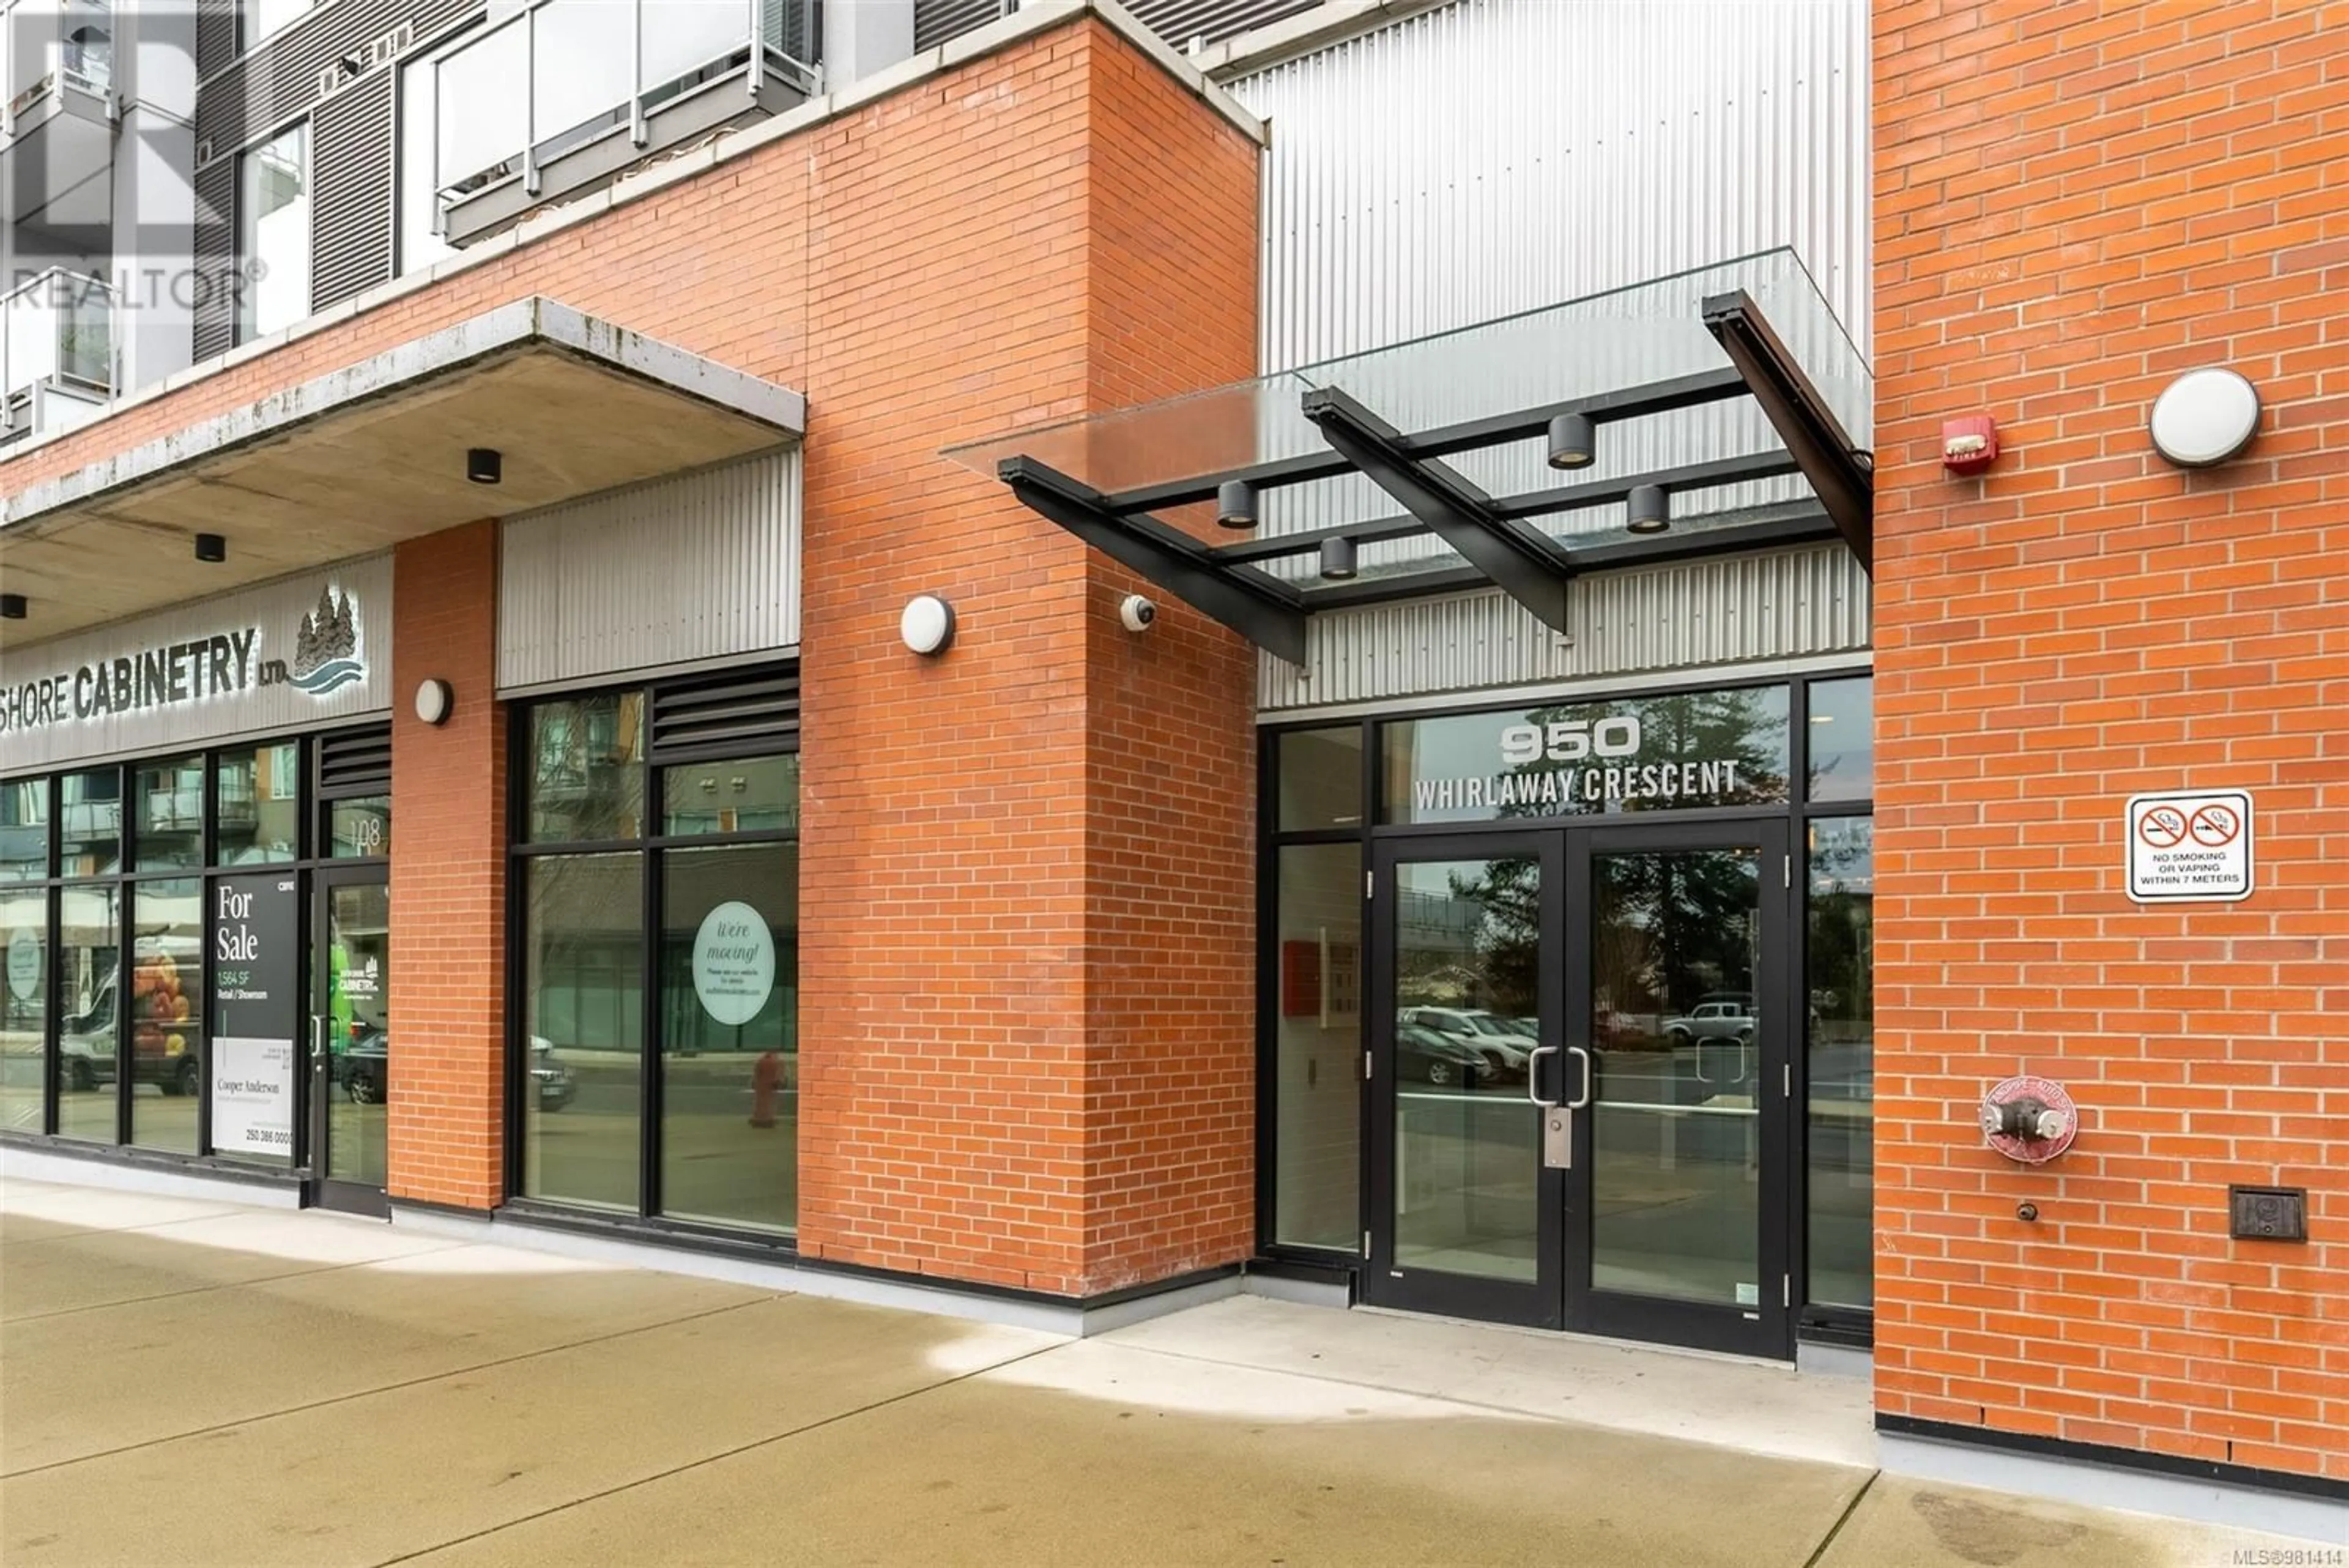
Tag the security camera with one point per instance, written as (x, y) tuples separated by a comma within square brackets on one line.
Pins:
[(1136, 612)]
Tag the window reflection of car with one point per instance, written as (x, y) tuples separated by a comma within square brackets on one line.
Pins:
[(1461, 1057), (1712, 1021), (556, 1085), (362, 1069), (1484, 1029)]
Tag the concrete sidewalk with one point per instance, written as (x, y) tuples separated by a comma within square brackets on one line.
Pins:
[(187, 1382)]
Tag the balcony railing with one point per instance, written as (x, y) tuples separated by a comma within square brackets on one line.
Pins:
[(602, 84), (48, 47), (57, 344)]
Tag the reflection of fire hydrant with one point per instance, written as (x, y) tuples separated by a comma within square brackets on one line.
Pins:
[(765, 1078)]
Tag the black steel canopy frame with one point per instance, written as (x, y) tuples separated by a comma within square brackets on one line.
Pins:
[(1490, 533)]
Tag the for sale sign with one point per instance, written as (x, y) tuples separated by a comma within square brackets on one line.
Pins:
[(2189, 846)]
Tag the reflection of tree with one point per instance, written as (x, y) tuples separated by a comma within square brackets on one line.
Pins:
[(1842, 918), (1746, 725), (1670, 926), (1502, 948)]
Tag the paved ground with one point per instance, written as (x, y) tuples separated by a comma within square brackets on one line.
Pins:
[(195, 1383)]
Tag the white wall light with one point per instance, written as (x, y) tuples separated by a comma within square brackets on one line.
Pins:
[(927, 625), (2204, 418)]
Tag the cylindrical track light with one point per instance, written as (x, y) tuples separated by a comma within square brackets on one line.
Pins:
[(1572, 442), (1337, 559), (485, 465), (12, 607), (1235, 503), (1650, 509), (210, 548)]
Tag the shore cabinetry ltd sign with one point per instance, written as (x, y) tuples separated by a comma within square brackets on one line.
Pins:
[(324, 654), (1655, 753)]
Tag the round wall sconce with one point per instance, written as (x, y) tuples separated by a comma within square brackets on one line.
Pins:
[(434, 701), (2204, 418), (927, 627)]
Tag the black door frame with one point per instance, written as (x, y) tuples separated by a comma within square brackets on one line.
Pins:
[(1767, 1327), (318, 1189), (1536, 1303)]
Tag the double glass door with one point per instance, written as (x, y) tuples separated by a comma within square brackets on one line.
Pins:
[(351, 1058), (1579, 1075)]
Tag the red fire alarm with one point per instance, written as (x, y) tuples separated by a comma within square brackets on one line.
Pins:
[(1969, 445)]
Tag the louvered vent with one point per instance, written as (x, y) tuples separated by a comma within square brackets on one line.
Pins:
[(351, 216), (215, 298), (738, 713), (354, 761)]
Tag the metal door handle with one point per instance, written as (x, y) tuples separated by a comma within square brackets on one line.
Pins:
[(318, 1038), (1578, 1104), (1533, 1076)]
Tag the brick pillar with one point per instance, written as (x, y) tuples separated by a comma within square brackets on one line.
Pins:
[(448, 875)]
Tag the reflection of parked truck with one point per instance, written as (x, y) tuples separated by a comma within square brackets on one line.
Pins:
[(1713, 1021)]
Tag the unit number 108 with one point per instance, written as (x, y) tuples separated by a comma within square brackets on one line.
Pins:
[(1572, 739)]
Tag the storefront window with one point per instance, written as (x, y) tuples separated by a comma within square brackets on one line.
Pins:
[(23, 830), (729, 1022), (587, 780), (24, 1004), (359, 827), (89, 944), (1635, 754), (755, 795), (1842, 740), (1317, 1046), (257, 805), (1842, 1072), (1320, 778), (169, 798), (583, 1010), (167, 989), (89, 822)]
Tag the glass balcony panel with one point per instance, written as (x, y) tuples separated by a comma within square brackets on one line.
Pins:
[(57, 328), (484, 121), (579, 71), (683, 36)]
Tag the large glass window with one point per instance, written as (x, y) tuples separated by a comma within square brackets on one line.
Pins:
[(1842, 1072), (272, 234), (1320, 774), (729, 1041), (89, 993), (586, 781), (89, 824), (257, 805), (169, 801), (359, 826), (23, 830), (1842, 740), (1646, 753), (582, 1012), (166, 991), (702, 906), (24, 1004), (1317, 1046)]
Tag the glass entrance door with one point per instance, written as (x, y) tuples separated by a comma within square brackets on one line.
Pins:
[(351, 1063), (1467, 991), (1678, 1021)]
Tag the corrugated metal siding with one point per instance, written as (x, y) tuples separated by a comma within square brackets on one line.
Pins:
[(352, 220), (1498, 155), (706, 565), (278, 82), (1784, 603), (216, 35), (274, 610)]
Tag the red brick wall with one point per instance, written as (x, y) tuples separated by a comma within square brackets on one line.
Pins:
[(448, 875), (2075, 203)]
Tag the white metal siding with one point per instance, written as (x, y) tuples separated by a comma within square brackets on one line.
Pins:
[(701, 566), (274, 610), (1496, 156), (1778, 604)]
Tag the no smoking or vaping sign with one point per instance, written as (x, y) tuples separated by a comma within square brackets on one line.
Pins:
[(2189, 846)]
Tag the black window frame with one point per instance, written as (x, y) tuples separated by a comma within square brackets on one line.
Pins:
[(651, 844), (1817, 1322)]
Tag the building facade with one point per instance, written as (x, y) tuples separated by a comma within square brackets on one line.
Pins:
[(1078, 659)]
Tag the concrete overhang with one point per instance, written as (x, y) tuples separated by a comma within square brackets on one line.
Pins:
[(372, 454)]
